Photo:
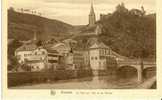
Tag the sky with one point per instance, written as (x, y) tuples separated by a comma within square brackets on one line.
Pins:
[(76, 12)]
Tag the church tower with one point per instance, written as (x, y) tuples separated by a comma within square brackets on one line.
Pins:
[(92, 17)]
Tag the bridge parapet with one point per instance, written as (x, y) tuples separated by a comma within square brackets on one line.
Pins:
[(128, 61), (135, 63), (138, 64)]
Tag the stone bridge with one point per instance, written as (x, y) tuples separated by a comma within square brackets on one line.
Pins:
[(136, 63), (139, 64)]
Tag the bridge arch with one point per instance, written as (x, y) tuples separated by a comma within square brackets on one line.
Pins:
[(129, 65), (127, 71)]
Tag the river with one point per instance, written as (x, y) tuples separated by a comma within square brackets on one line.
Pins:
[(97, 82)]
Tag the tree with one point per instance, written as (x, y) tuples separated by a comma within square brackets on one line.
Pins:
[(11, 9), (12, 47), (39, 43), (126, 32), (121, 8), (14, 64)]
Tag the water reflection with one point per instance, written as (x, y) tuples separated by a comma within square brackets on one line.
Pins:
[(105, 82), (96, 82)]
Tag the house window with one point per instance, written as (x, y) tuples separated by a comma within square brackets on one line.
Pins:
[(91, 58), (99, 63), (105, 52), (37, 67), (35, 53), (96, 58), (18, 57), (100, 52), (43, 52), (26, 54), (104, 63)]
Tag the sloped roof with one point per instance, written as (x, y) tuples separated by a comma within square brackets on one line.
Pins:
[(51, 51), (27, 47), (66, 45), (34, 61), (118, 55), (99, 45), (70, 40)]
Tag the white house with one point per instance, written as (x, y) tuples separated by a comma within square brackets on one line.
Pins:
[(98, 53), (36, 65), (33, 56), (39, 53), (25, 52)]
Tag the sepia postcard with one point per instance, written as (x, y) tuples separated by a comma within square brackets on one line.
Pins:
[(81, 48)]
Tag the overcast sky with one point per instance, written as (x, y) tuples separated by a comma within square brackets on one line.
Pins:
[(76, 12)]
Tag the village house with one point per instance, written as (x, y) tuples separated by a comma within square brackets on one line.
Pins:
[(25, 52), (98, 53), (69, 58), (59, 56), (86, 59), (75, 59), (62, 48), (103, 58), (69, 61), (33, 56), (36, 65), (53, 59), (81, 59)]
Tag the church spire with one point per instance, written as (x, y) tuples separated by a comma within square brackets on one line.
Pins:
[(92, 9), (92, 17)]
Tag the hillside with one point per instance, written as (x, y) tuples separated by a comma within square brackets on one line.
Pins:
[(22, 26), (131, 33)]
